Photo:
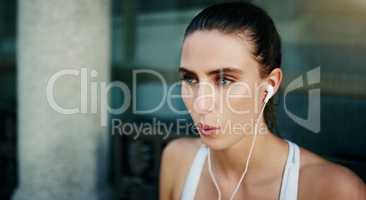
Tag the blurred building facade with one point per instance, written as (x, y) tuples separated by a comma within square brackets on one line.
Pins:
[(148, 35)]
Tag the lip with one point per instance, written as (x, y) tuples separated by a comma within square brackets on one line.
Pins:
[(207, 130)]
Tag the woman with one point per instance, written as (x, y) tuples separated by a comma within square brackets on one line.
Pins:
[(230, 68)]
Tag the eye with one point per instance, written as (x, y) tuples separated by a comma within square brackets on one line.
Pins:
[(191, 80), (223, 81)]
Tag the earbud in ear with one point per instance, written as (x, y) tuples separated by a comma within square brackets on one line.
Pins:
[(269, 90)]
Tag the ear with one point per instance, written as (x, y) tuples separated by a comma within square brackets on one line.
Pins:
[(275, 79)]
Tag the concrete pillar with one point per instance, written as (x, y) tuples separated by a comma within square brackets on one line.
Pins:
[(61, 156)]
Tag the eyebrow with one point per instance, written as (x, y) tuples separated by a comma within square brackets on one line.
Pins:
[(216, 71)]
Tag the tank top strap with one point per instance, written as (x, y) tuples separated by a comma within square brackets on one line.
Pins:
[(289, 186), (194, 174)]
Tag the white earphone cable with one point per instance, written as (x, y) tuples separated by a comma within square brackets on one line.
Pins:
[(246, 165)]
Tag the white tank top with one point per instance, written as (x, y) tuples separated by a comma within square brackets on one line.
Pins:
[(289, 179)]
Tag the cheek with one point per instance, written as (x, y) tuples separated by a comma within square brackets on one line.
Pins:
[(238, 116), (239, 99), (238, 111), (187, 96), (240, 105)]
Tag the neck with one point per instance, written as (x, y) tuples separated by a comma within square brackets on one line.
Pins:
[(268, 153)]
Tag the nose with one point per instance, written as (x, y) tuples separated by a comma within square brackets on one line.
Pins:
[(204, 101)]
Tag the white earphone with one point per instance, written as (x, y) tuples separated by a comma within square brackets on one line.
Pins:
[(269, 90)]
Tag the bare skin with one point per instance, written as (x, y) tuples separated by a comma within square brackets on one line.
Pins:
[(221, 85), (318, 179)]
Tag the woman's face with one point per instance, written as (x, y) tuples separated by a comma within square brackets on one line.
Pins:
[(221, 86)]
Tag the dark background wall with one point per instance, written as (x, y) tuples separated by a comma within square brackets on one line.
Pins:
[(147, 34)]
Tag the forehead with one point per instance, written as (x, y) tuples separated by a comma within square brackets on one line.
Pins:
[(209, 50)]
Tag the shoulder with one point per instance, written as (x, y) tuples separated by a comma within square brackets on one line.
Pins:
[(175, 162), (178, 145), (322, 179), (179, 151)]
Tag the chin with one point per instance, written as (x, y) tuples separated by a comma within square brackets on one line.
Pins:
[(214, 143), (220, 143)]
